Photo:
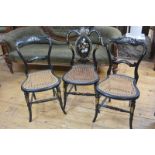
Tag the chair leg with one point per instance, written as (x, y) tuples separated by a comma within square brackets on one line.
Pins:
[(29, 105), (75, 87), (54, 93), (132, 108), (9, 63), (34, 95), (129, 103), (96, 107), (65, 94), (60, 99)]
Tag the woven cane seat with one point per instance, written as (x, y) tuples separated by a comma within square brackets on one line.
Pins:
[(40, 81), (81, 74), (119, 87)]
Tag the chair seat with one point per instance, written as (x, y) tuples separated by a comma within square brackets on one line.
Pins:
[(119, 87), (81, 74), (39, 81)]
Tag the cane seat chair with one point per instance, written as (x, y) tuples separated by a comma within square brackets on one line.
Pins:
[(38, 81), (83, 70), (121, 86)]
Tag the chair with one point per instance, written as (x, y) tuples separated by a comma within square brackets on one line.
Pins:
[(38, 81), (120, 86), (84, 70)]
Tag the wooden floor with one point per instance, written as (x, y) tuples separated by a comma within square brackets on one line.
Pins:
[(80, 110)]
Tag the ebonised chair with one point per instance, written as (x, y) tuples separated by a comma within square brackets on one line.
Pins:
[(84, 69), (38, 81), (120, 86)]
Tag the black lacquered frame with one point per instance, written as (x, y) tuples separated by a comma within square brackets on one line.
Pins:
[(135, 65), (30, 95), (83, 59)]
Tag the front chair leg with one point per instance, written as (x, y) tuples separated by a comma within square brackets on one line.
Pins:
[(60, 99), (65, 93), (97, 107), (29, 105), (132, 108)]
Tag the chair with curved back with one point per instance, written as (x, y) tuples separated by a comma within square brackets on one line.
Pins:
[(120, 86), (38, 81), (83, 70)]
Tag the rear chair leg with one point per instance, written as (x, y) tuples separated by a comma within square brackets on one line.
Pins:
[(75, 87), (54, 93), (34, 96)]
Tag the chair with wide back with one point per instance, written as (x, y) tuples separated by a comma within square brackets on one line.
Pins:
[(121, 86), (38, 81), (83, 70)]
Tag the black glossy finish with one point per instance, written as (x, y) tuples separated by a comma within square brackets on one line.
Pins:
[(82, 46), (56, 88), (135, 65)]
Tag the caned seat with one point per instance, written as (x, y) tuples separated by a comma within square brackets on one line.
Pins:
[(119, 86), (81, 74), (40, 80)]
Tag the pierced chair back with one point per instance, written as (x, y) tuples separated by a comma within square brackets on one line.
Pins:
[(120, 86), (84, 67), (122, 43), (30, 41), (82, 46), (41, 80)]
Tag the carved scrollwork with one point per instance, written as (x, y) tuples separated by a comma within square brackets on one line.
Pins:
[(128, 40)]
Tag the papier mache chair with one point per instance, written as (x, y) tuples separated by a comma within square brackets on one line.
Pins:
[(120, 86), (83, 70), (38, 81)]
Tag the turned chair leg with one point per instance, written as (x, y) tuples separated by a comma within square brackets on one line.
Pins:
[(75, 87), (10, 67), (65, 93), (58, 93), (97, 106), (29, 105), (54, 93), (9, 63), (132, 108)]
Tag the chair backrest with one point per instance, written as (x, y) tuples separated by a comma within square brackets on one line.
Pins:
[(82, 45), (123, 41), (31, 41)]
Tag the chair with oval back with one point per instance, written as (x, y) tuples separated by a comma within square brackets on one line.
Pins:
[(83, 70)]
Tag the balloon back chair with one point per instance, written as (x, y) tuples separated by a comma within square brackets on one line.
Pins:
[(38, 81), (83, 70), (120, 86)]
